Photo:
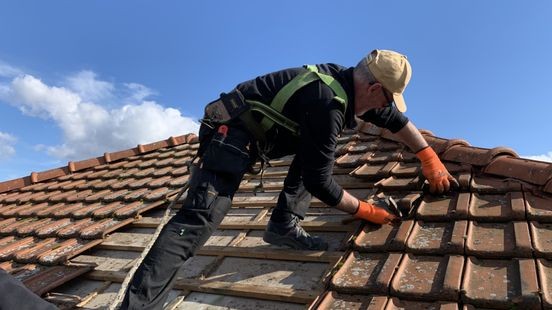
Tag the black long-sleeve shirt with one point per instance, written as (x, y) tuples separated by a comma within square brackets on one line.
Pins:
[(320, 120)]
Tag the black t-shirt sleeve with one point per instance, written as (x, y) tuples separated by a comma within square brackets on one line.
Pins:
[(388, 117), (319, 131)]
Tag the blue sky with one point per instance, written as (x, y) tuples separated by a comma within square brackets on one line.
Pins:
[(79, 78)]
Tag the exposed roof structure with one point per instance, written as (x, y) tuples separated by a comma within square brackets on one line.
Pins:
[(73, 233)]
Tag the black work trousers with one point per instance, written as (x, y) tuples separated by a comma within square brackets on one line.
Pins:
[(14, 295), (224, 160)]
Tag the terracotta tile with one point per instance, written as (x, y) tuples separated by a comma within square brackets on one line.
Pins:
[(545, 278), (397, 304), (73, 229), (31, 209), (54, 277), (168, 154), (548, 187), (72, 185), (66, 210), (408, 157), (381, 157), (524, 169), (498, 240), (132, 163), (11, 210), (428, 277), (160, 194), (8, 251), (148, 163), (163, 161), (104, 211), (77, 176), (97, 174), (501, 283), (490, 185), (117, 195), (144, 173), (6, 240), (474, 155), (538, 208), (61, 196), (334, 300), (97, 196), (86, 211), (50, 229), (179, 171), (66, 250), (182, 161), (79, 196), (101, 228), (120, 184), (128, 173), (48, 211), (497, 208), (31, 227), (364, 273), (129, 210), (58, 185), (378, 238), (113, 173), (374, 171), (163, 181), (104, 184), (23, 272), (440, 145), (136, 194), (162, 171), (17, 197), (403, 170), (7, 222), (30, 254), (542, 239), (437, 238), (139, 183), (43, 196), (11, 228), (349, 160), (400, 184)]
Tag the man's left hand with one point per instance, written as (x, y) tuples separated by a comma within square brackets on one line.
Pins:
[(435, 172)]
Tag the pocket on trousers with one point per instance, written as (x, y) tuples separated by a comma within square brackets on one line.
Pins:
[(225, 157)]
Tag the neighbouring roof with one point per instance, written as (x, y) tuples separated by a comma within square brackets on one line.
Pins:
[(73, 233)]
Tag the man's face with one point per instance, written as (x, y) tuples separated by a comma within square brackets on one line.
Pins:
[(372, 96)]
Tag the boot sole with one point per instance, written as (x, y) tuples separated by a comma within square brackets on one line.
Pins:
[(274, 239)]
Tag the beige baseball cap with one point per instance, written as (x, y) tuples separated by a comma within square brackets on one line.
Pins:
[(393, 71)]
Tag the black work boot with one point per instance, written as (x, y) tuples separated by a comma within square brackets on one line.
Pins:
[(293, 235)]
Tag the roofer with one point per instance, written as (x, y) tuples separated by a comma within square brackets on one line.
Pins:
[(298, 111)]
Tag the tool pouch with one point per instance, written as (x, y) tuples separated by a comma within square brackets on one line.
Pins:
[(228, 154), (227, 108)]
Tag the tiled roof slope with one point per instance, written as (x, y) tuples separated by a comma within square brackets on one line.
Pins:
[(486, 245), (51, 216)]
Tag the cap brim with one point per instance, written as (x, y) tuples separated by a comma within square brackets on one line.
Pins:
[(399, 102)]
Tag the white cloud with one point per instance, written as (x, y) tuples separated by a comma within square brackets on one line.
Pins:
[(89, 129), (544, 157), (89, 88), (6, 145), (138, 92), (8, 71)]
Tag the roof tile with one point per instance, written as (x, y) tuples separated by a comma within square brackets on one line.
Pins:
[(429, 277), (404, 170), (444, 208), (65, 250), (531, 171), (397, 304), (490, 185), (366, 273), (495, 240), (101, 228), (542, 239), (334, 300), (497, 208), (501, 283), (31, 227), (545, 278), (86, 210), (50, 229), (437, 237), (8, 250), (400, 184), (53, 277), (378, 238), (373, 171), (30, 254), (349, 160), (539, 208), (73, 230), (474, 155)]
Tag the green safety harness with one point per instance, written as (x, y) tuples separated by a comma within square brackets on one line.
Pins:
[(272, 114)]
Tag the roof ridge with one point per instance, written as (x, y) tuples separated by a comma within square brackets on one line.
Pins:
[(500, 161), (74, 166)]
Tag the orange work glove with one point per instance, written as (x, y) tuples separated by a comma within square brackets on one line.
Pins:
[(369, 212), (435, 172)]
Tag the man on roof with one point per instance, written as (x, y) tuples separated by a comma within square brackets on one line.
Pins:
[(297, 111)]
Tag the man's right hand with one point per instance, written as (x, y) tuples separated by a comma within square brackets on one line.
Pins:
[(371, 213)]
